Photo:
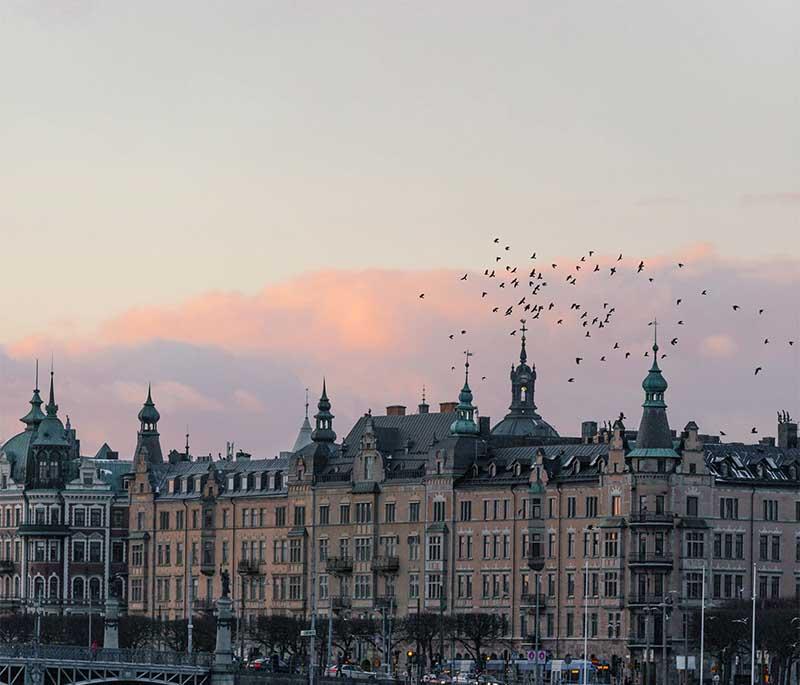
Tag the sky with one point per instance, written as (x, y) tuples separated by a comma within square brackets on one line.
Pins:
[(230, 200)]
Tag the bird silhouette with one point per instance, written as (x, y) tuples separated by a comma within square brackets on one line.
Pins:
[(514, 332), (674, 341), (680, 323), (616, 346), (570, 380), (464, 277), (496, 240), (766, 341), (754, 430), (678, 301), (451, 336), (640, 268), (736, 307), (705, 292), (627, 354), (680, 266), (483, 294), (760, 311), (723, 433), (619, 259), (421, 295), (758, 370), (578, 360), (613, 270)]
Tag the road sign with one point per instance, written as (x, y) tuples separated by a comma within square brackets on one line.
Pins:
[(541, 657), (308, 633), (531, 655)]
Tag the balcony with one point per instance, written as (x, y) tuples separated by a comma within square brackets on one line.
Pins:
[(249, 567), (340, 602), (208, 568), (663, 518), (644, 599), (44, 529), (339, 565), (535, 561), (530, 599), (386, 564), (638, 558), (6, 566)]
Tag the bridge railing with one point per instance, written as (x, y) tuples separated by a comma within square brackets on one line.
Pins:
[(66, 653)]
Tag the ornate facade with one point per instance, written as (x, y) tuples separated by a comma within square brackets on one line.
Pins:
[(434, 511)]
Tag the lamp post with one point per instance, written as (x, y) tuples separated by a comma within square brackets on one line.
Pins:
[(702, 623), (753, 634)]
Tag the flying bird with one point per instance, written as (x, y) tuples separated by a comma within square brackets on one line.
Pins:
[(451, 336), (578, 360), (680, 266), (758, 370), (640, 268), (613, 270), (678, 301), (627, 354), (760, 311), (464, 277), (619, 259), (496, 240), (736, 307), (421, 295), (483, 294), (674, 341), (723, 433), (754, 430), (570, 380)]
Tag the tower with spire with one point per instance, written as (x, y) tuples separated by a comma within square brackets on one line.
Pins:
[(49, 455), (522, 420), (465, 424), (148, 436), (654, 437), (323, 431)]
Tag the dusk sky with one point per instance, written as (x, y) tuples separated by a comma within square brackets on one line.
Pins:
[(232, 199)]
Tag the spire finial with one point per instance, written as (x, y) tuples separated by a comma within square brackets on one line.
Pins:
[(36, 380), (306, 403), (52, 407), (423, 393), (187, 440), (655, 335), (523, 355), (467, 355)]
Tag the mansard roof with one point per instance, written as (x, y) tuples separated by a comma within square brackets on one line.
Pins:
[(401, 435), (737, 461)]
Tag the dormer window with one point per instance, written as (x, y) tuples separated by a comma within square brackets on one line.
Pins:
[(517, 470), (492, 470), (278, 481)]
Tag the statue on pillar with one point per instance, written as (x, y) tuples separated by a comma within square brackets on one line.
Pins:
[(225, 577)]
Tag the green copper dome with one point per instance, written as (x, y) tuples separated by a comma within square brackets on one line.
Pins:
[(654, 384)]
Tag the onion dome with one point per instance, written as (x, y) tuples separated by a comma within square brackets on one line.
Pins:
[(465, 423), (323, 418), (148, 414)]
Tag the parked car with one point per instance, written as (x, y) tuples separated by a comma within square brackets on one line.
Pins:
[(349, 671)]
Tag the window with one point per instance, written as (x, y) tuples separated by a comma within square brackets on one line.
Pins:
[(137, 555), (438, 510), (466, 511), (611, 544), (571, 508), (179, 554), (770, 510), (551, 584), (614, 624), (117, 552), (763, 548), (224, 519), (323, 586), (695, 545), (363, 512), (797, 511), (299, 515), (323, 549), (79, 551), (776, 548), (413, 585), (591, 507), (728, 508), (465, 546), (195, 518), (362, 586), (435, 548), (570, 584), (464, 586), (570, 624), (96, 518), (691, 506), (570, 544), (344, 548), (551, 545), (163, 520), (739, 553), (610, 584), (344, 514), (434, 586), (280, 516), (413, 548), (363, 549), (295, 551), (694, 585), (295, 588), (179, 520), (136, 589), (413, 512), (79, 518)]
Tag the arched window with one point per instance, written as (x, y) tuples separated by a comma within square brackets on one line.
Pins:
[(7, 587), (523, 394), (38, 587), (53, 591), (94, 589), (78, 591), (16, 587)]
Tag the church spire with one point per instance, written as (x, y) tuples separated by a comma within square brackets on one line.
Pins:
[(148, 436), (304, 436), (523, 355), (52, 407)]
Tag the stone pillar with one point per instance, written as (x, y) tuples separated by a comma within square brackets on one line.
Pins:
[(222, 672), (111, 624), (223, 652)]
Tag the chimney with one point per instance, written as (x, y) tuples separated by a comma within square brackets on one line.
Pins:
[(447, 407), (588, 431), (242, 456), (485, 426), (767, 442), (787, 432), (424, 408), (396, 410)]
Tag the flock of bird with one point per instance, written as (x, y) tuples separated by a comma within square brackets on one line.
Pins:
[(526, 292)]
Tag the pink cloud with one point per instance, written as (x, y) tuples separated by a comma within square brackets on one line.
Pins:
[(241, 361)]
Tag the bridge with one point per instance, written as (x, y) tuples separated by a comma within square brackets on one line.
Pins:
[(62, 665)]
